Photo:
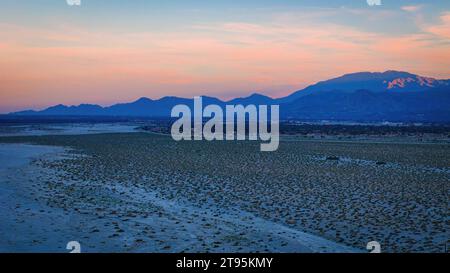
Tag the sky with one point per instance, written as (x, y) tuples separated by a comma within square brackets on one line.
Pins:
[(109, 51)]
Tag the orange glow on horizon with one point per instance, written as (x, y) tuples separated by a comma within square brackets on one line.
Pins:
[(41, 67)]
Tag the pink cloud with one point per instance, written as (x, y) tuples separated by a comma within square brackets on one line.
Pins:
[(69, 65), (443, 28), (412, 8)]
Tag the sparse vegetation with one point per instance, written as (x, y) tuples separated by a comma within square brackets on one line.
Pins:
[(394, 193)]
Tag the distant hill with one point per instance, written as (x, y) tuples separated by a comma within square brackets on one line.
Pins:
[(364, 97), (394, 81), (369, 106), (143, 107), (255, 98)]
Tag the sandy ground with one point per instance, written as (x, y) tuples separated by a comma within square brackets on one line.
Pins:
[(142, 221), (139, 192), (27, 223), (66, 129)]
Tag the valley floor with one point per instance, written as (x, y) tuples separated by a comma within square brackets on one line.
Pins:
[(139, 192), (142, 223)]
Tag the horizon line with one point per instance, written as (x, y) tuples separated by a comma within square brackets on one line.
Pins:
[(252, 93)]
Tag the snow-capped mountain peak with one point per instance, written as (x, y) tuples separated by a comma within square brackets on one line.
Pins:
[(413, 81)]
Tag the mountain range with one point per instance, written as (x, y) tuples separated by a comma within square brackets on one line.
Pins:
[(363, 97)]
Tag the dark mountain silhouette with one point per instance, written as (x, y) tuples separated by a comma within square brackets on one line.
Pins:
[(369, 106), (253, 99), (394, 81), (364, 96)]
